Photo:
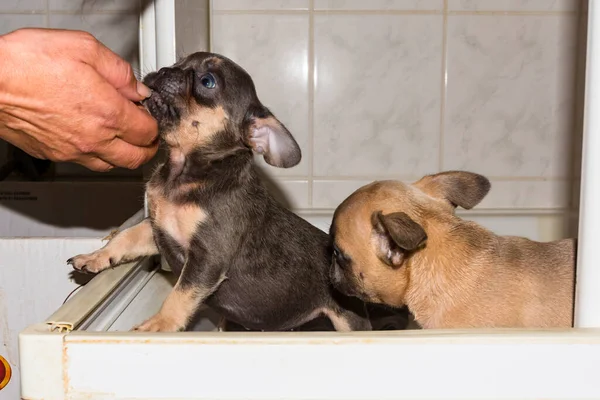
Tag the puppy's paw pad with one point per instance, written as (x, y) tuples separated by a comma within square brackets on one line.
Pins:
[(158, 323), (93, 262)]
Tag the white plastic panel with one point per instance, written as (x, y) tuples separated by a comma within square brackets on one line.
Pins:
[(587, 312), (405, 365)]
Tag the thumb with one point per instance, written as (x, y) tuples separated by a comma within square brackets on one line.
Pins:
[(119, 74)]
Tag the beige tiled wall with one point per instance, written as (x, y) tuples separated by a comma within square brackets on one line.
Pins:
[(400, 88), (391, 88)]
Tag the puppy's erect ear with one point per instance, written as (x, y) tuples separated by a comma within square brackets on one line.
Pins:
[(459, 188), (396, 234), (269, 137)]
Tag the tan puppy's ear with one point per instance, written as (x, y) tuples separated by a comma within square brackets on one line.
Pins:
[(459, 188), (395, 236)]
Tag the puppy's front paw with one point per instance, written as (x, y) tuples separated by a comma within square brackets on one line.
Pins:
[(158, 323), (93, 262), (111, 235)]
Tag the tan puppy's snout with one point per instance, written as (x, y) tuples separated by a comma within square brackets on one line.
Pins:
[(335, 273), (340, 275)]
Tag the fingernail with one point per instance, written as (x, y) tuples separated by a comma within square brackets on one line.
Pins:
[(143, 90)]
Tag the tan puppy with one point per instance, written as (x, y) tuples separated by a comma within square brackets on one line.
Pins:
[(402, 244)]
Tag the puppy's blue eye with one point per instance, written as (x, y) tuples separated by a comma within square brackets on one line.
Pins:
[(208, 81)]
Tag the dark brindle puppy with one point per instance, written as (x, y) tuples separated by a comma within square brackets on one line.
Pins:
[(233, 246)]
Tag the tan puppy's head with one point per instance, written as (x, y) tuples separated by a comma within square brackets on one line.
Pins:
[(378, 230)]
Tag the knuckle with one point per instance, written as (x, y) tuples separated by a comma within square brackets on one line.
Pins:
[(84, 146), (87, 42), (104, 168), (111, 118), (60, 156), (128, 75), (87, 38)]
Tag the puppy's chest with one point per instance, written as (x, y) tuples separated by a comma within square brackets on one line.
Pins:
[(180, 221)]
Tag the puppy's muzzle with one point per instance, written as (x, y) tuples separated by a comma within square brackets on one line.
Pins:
[(170, 89)]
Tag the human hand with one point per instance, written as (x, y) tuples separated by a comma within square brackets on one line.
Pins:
[(64, 96)]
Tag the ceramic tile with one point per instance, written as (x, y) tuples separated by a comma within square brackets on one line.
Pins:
[(510, 95), (379, 5), (228, 5), (94, 5), (23, 5), (513, 5), (377, 95), (292, 194), (117, 32), (9, 22), (328, 194), (274, 51), (527, 194), (543, 228), (191, 26)]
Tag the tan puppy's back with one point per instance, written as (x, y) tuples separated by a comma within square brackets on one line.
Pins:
[(516, 283), (543, 277)]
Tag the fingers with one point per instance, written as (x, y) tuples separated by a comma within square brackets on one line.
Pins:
[(127, 120), (122, 154), (95, 164), (136, 130), (118, 73), (137, 125)]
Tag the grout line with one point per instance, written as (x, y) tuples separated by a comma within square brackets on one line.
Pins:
[(211, 14), (68, 12), (479, 211), (260, 11), (443, 86), (514, 13), (396, 12), (412, 177), (47, 15), (378, 12), (311, 100), (328, 12)]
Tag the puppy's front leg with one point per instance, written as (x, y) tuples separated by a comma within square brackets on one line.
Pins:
[(127, 245), (195, 284)]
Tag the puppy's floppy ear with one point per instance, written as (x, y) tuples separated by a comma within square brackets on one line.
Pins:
[(459, 188), (269, 137), (396, 234)]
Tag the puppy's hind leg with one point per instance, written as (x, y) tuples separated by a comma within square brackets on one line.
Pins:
[(196, 282), (130, 244), (344, 320)]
